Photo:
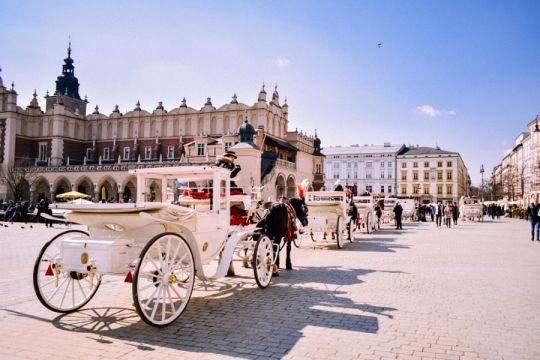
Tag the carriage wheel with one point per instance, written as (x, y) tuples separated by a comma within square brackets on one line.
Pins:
[(62, 291), (339, 232), (351, 230), (263, 261), (164, 279)]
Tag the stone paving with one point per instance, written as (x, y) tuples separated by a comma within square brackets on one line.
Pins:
[(470, 292)]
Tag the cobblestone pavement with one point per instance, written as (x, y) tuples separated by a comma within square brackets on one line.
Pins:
[(423, 293)]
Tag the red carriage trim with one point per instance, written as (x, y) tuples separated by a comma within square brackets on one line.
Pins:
[(290, 235)]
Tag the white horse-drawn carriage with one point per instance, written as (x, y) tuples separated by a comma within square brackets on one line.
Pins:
[(409, 209), (159, 246), (367, 219), (471, 209), (388, 215), (328, 217)]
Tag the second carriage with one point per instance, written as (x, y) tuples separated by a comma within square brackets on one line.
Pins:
[(328, 218)]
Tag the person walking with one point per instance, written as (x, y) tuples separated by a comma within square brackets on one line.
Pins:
[(439, 213), (532, 211), (455, 213), (432, 212), (378, 213), (448, 215), (398, 211)]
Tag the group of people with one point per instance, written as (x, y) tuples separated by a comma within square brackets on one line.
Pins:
[(22, 211), (448, 212)]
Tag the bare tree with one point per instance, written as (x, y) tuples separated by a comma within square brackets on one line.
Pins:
[(17, 180)]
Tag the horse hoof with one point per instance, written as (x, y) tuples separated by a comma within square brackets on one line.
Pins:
[(246, 264), (288, 268)]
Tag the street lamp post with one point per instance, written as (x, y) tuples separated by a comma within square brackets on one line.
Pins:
[(482, 184)]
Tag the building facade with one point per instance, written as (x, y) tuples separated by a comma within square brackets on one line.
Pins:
[(431, 174), (368, 168), (62, 148)]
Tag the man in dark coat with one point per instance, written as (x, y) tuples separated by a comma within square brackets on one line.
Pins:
[(439, 213), (532, 212), (398, 211)]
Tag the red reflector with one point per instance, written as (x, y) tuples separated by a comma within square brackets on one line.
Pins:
[(129, 278), (49, 271)]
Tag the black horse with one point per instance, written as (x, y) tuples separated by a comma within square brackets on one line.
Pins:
[(278, 225)]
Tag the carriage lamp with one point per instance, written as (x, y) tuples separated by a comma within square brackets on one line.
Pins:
[(114, 227)]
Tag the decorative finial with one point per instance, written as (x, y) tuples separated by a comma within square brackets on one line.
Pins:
[(234, 99), (86, 98), (263, 86), (160, 106), (285, 103), (208, 101), (275, 87), (138, 106), (47, 93), (183, 103), (34, 94), (96, 110), (116, 109), (12, 86)]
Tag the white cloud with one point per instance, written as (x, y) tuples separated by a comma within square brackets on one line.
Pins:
[(430, 111), (281, 62)]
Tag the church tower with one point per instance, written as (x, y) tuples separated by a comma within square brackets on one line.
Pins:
[(67, 89)]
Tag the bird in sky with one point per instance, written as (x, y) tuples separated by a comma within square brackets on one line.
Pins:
[(379, 45)]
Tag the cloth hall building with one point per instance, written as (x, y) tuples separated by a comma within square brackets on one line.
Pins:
[(62, 148)]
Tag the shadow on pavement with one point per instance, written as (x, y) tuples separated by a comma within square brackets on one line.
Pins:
[(238, 321)]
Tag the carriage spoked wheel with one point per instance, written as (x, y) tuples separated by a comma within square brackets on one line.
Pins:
[(350, 230), (263, 261), (340, 229), (58, 289), (163, 279)]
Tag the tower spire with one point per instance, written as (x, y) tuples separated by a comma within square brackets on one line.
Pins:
[(69, 46)]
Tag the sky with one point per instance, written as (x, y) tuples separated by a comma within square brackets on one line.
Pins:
[(463, 75)]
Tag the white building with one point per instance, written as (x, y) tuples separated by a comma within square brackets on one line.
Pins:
[(369, 168)]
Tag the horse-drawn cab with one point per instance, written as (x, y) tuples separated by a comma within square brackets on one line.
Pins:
[(366, 219), (180, 223), (328, 215), (388, 211)]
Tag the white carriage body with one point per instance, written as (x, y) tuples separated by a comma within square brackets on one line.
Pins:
[(366, 207), (409, 208), (324, 208), (118, 232), (471, 208), (388, 211)]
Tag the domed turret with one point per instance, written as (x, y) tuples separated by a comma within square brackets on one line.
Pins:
[(316, 144), (262, 94), (246, 131)]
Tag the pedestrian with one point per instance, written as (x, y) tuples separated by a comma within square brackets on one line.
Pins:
[(439, 213), (378, 213), (432, 212), (398, 211), (448, 215), (455, 213), (532, 211), (338, 186)]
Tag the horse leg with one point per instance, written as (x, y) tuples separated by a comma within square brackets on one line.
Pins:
[(288, 265), (275, 268)]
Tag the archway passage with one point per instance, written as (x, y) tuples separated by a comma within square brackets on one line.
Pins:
[(41, 190), (62, 186), (107, 191), (291, 187), (129, 189), (280, 187), (85, 186)]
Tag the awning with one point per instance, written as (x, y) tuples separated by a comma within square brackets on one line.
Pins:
[(272, 141)]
